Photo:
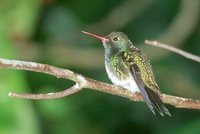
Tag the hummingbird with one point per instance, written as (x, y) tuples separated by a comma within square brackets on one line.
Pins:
[(130, 68)]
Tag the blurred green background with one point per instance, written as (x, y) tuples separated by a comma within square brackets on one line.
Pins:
[(48, 31)]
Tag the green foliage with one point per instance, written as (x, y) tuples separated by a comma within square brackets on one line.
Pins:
[(17, 116), (49, 32)]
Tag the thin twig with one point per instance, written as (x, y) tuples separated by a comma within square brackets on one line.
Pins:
[(173, 49), (84, 82), (77, 87)]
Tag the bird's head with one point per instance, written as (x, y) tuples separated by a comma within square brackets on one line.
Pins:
[(115, 40)]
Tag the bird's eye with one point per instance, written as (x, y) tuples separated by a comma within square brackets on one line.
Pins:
[(115, 39)]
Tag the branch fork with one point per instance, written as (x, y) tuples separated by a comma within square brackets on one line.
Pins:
[(82, 82)]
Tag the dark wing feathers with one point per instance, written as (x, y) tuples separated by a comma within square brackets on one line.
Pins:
[(156, 102), (150, 96)]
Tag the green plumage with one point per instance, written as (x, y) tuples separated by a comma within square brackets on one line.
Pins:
[(135, 56), (119, 67), (130, 68)]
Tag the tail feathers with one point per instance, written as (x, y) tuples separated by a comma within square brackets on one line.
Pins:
[(154, 102)]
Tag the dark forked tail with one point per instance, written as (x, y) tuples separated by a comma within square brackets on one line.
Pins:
[(154, 102)]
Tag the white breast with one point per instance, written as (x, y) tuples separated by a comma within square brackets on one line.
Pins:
[(129, 83)]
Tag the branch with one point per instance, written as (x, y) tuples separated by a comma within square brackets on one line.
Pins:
[(77, 87), (176, 32), (84, 82), (173, 49)]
